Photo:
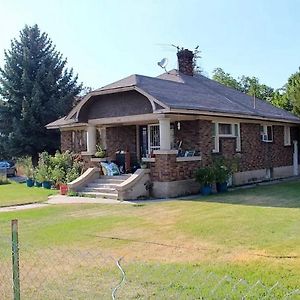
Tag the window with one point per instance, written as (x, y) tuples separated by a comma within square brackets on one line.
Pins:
[(225, 130), (153, 137), (266, 133), (287, 136)]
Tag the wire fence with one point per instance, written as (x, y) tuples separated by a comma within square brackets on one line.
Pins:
[(69, 272)]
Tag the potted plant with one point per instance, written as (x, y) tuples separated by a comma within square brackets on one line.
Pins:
[(59, 176), (144, 165), (223, 169), (205, 176), (44, 175), (222, 174), (28, 171), (100, 152), (37, 178)]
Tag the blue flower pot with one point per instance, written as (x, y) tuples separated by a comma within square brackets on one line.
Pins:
[(47, 185), (38, 184), (30, 182), (222, 187), (206, 190)]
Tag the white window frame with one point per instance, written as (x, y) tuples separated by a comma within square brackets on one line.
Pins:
[(216, 136), (226, 134), (172, 137), (264, 133), (152, 148), (287, 136)]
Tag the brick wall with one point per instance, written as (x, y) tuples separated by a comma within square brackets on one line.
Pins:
[(196, 135), (121, 138), (166, 168), (256, 154), (65, 140)]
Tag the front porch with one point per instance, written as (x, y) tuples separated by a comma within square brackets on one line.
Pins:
[(169, 146)]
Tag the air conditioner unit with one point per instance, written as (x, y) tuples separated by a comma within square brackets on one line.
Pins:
[(264, 137)]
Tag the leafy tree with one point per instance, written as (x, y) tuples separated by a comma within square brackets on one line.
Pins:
[(245, 84), (225, 78), (37, 89), (280, 99), (293, 91)]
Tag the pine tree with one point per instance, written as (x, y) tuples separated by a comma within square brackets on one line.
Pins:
[(37, 89)]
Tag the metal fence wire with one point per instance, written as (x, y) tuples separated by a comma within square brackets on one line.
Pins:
[(67, 272)]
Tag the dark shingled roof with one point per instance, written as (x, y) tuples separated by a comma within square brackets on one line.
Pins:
[(198, 93), (179, 91)]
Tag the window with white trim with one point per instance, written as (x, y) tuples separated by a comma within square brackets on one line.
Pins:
[(287, 136), (225, 130), (266, 133), (153, 137)]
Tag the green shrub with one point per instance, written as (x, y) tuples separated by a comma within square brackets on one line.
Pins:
[(223, 168), (25, 164), (59, 168), (205, 176)]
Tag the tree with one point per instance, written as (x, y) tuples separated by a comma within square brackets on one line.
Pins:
[(280, 99), (226, 79), (37, 89), (245, 84), (293, 91)]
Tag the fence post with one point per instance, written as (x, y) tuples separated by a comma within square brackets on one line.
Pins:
[(15, 259)]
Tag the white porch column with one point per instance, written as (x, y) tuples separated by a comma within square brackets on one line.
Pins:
[(91, 139), (295, 158), (102, 132), (165, 134)]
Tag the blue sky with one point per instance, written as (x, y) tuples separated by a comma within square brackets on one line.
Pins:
[(107, 40)]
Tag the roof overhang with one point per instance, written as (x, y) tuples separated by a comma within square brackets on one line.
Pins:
[(229, 115)]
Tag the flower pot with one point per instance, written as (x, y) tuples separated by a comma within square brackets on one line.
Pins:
[(47, 185), (63, 188), (206, 190), (29, 182), (38, 184), (221, 187)]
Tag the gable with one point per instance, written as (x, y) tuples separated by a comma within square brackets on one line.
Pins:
[(115, 105)]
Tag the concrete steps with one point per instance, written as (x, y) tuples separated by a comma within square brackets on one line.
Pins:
[(104, 187)]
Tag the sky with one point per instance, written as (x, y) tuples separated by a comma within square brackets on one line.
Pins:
[(105, 41)]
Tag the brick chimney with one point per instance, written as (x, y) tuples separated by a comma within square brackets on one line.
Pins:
[(185, 61)]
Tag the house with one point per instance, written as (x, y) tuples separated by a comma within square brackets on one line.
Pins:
[(151, 118)]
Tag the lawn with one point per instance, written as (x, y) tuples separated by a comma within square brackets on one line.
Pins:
[(18, 193), (170, 250)]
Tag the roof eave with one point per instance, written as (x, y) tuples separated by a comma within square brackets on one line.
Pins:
[(225, 114)]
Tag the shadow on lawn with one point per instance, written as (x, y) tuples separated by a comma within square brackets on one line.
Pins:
[(274, 195)]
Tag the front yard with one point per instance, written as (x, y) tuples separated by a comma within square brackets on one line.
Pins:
[(249, 233), (18, 194)]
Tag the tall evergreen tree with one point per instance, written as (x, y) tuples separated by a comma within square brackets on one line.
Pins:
[(37, 89)]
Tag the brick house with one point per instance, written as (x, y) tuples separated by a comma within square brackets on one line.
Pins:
[(151, 118)]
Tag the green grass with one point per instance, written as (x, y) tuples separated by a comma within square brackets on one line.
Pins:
[(18, 193), (248, 233)]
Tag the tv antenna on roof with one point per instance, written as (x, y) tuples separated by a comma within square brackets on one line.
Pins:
[(163, 63)]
